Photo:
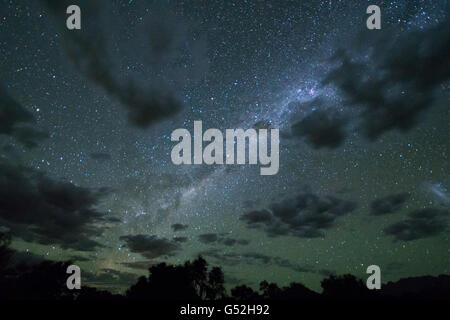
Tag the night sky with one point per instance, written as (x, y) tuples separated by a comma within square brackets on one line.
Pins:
[(86, 118)]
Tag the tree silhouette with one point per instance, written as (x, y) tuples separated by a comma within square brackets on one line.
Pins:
[(165, 282), (197, 271), (345, 287), (43, 281), (215, 289), (244, 293), (93, 294), (191, 281), (5, 251), (270, 290), (297, 291)]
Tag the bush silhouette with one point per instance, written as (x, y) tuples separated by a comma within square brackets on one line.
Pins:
[(192, 281), (345, 287), (244, 293)]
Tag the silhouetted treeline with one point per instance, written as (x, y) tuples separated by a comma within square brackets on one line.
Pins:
[(194, 281)]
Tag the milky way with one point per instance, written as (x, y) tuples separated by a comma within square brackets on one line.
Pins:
[(104, 101)]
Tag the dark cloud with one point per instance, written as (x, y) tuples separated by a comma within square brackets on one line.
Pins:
[(419, 224), (39, 209), (208, 237), (230, 258), (286, 263), (28, 136), (258, 216), (180, 239), (150, 246), (307, 215), (263, 124), (322, 129), (259, 257), (140, 265), (101, 156), (11, 112), (77, 258), (388, 204), (16, 121), (20, 258), (391, 88), (179, 227), (231, 242), (255, 258), (163, 40), (224, 239), (249, 204), (109, 278), (144, 106)]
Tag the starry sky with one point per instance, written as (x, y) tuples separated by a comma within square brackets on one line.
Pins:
[(87, 115)]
